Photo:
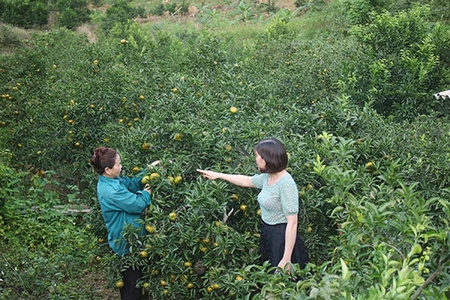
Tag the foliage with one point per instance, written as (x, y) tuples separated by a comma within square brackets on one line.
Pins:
[(120, 12), (72, 13), (402, 68), (36, 13), (43, 249), (391, 235), (173, 8), (361, 12), (439, 9), (373, 190), (26, 14), (308, 4)]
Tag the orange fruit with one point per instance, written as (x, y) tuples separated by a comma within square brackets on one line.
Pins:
[(146, 145), (149, 228), (119, 284), (143, 254), (173, 216), (187, 264), (145, 179), (178, 179), (154, 176), (178, 136)]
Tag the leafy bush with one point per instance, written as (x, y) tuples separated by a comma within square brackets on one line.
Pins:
[(180, 8), (26, 14), (43, 249), (35, 13), (401, 68), (158, 9), (120, 12), (72, 13), (361, 12), (375, 209)]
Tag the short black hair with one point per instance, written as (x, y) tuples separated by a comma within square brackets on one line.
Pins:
[(274, 154)]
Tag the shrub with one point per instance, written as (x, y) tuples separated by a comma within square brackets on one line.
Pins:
[(72, 13), (120, 12), (43, 250), (26, 14), (400, 70)]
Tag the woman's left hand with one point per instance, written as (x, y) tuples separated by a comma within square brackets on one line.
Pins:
[(285, 265), (156, 162)]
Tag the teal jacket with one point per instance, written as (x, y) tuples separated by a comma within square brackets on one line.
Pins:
[(122, 201)]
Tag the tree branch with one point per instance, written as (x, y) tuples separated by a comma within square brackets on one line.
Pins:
[(428, 281)]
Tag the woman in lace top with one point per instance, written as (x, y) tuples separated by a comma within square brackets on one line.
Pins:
[(278, 199)]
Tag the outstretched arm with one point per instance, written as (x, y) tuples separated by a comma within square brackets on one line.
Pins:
[(240, 180)]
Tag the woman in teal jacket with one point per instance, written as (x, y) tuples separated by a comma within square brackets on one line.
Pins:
[(122, 200)]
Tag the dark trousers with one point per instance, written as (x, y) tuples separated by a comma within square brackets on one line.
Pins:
[(129, 291), (272, 243)]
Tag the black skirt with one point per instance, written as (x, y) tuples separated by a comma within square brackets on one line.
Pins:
[(272, 242)]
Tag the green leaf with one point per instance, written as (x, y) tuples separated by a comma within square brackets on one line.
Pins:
[(345, 272)]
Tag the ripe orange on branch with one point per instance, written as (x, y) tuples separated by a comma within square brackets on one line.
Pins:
[(187, 264), (145, 179), (146, 146), (173, 216), (143, 254), (149, 228), (177, 179), (154, 176), (119, 284)]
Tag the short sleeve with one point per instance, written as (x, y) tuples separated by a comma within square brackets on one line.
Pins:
[(258, 180), (289, 198)]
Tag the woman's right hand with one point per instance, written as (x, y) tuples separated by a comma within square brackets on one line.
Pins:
[(240, 180), (148, 188), (209, 174)]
